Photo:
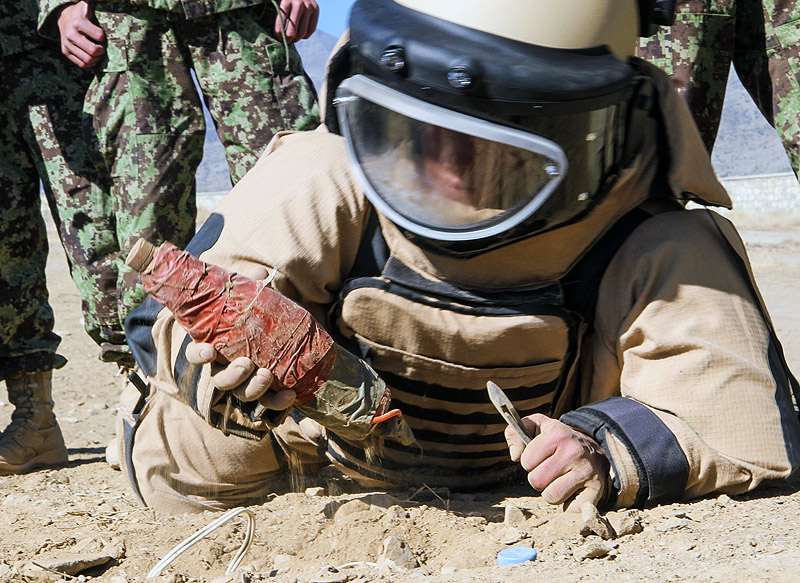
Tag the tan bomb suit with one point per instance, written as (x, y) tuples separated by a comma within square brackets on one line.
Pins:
[(678, 347)]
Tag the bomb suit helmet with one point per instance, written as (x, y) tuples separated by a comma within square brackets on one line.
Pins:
[(473, 124)]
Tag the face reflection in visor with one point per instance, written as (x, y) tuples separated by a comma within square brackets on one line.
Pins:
[(439, 173)]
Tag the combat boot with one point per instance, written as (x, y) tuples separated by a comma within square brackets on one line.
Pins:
[(33, 438)]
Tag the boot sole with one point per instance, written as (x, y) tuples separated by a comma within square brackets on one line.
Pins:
[(48, 459)]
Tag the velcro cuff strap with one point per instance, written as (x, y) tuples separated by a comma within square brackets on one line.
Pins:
[(660, 462)]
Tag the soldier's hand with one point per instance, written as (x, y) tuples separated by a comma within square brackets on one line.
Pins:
[(299, 19), (81, 39), (565, 465), (240, 376)]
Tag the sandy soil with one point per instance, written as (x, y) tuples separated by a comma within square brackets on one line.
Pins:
[(326, 529)]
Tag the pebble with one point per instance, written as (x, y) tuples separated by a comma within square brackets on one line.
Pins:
[(513, 515), (282, 562), (396, 555), (673, 524), (628, 523), (593, 550), (350, 507), (722, 501), (510, 536), (594, 523), (315, 491)]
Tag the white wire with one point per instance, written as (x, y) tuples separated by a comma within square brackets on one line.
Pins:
[(272, 275), (189, 542)]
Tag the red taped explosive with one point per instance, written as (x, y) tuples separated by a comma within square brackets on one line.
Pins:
[(238, 316)]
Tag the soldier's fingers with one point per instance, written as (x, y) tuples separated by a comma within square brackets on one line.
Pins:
[(90, 30), (278, 400), (200, 353), (85, 45), (591, 493), (72, 57), (258, 384), (303, 22), (285, 22), (233, 375), (313, 19), (515, 444), (561, 488), (76, 54)]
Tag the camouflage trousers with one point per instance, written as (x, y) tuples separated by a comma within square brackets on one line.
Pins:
[(40, 119), (762, 41), (145, 128)]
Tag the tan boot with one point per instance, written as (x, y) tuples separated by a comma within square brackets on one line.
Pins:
[(33, 438)]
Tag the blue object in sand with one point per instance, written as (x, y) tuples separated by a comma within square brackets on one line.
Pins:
[(515, 555)]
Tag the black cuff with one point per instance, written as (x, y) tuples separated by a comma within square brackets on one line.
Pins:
[(660, 462)]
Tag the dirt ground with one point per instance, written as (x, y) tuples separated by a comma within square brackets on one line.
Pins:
[(325, 529)]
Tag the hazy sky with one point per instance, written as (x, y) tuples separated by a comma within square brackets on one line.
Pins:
[(333, 16)]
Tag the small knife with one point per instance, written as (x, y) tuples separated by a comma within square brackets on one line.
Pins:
[(507, 410)]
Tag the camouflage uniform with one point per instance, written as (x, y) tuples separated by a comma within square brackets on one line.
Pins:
[(40, 117), (145, 127), (761, 39)]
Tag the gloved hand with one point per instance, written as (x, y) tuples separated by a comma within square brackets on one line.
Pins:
[(564, 464), (241, 377)]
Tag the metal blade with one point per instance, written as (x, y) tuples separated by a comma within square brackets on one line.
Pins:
[(507, 410)]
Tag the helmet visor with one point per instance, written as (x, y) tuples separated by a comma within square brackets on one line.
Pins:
[(439, 173)]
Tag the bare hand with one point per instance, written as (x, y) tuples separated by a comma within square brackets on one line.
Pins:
[(565, 465), (299, 19), (241, 377), (81, 38)]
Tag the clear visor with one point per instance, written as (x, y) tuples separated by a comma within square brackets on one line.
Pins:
[(442, 174)]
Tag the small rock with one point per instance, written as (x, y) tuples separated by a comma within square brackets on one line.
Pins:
[(593, 550), (722, 500), (673, 524), (17, 500), (594, 523), (341, 578), (393, 515), (282, 562), (73, 565), (112, 454), (628, 523), (315, 491), (350, 507), (511, 536), (396, 555), (476, 520), (513, 515)]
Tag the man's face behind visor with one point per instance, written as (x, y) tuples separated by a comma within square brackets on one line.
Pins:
[(450, 177)]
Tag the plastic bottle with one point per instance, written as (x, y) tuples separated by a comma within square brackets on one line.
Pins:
[(243, 317)]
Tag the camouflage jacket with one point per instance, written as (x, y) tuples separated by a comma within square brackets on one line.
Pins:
[(189, 8), (18, 27)]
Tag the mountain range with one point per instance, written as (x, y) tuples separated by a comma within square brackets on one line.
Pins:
[(746, 144)]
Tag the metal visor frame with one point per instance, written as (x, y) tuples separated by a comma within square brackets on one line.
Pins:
[(362, 87)]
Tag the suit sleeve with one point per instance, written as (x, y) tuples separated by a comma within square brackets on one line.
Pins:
[(690, 393)]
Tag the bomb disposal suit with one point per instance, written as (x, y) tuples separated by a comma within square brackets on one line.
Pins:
[(496, 196)]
